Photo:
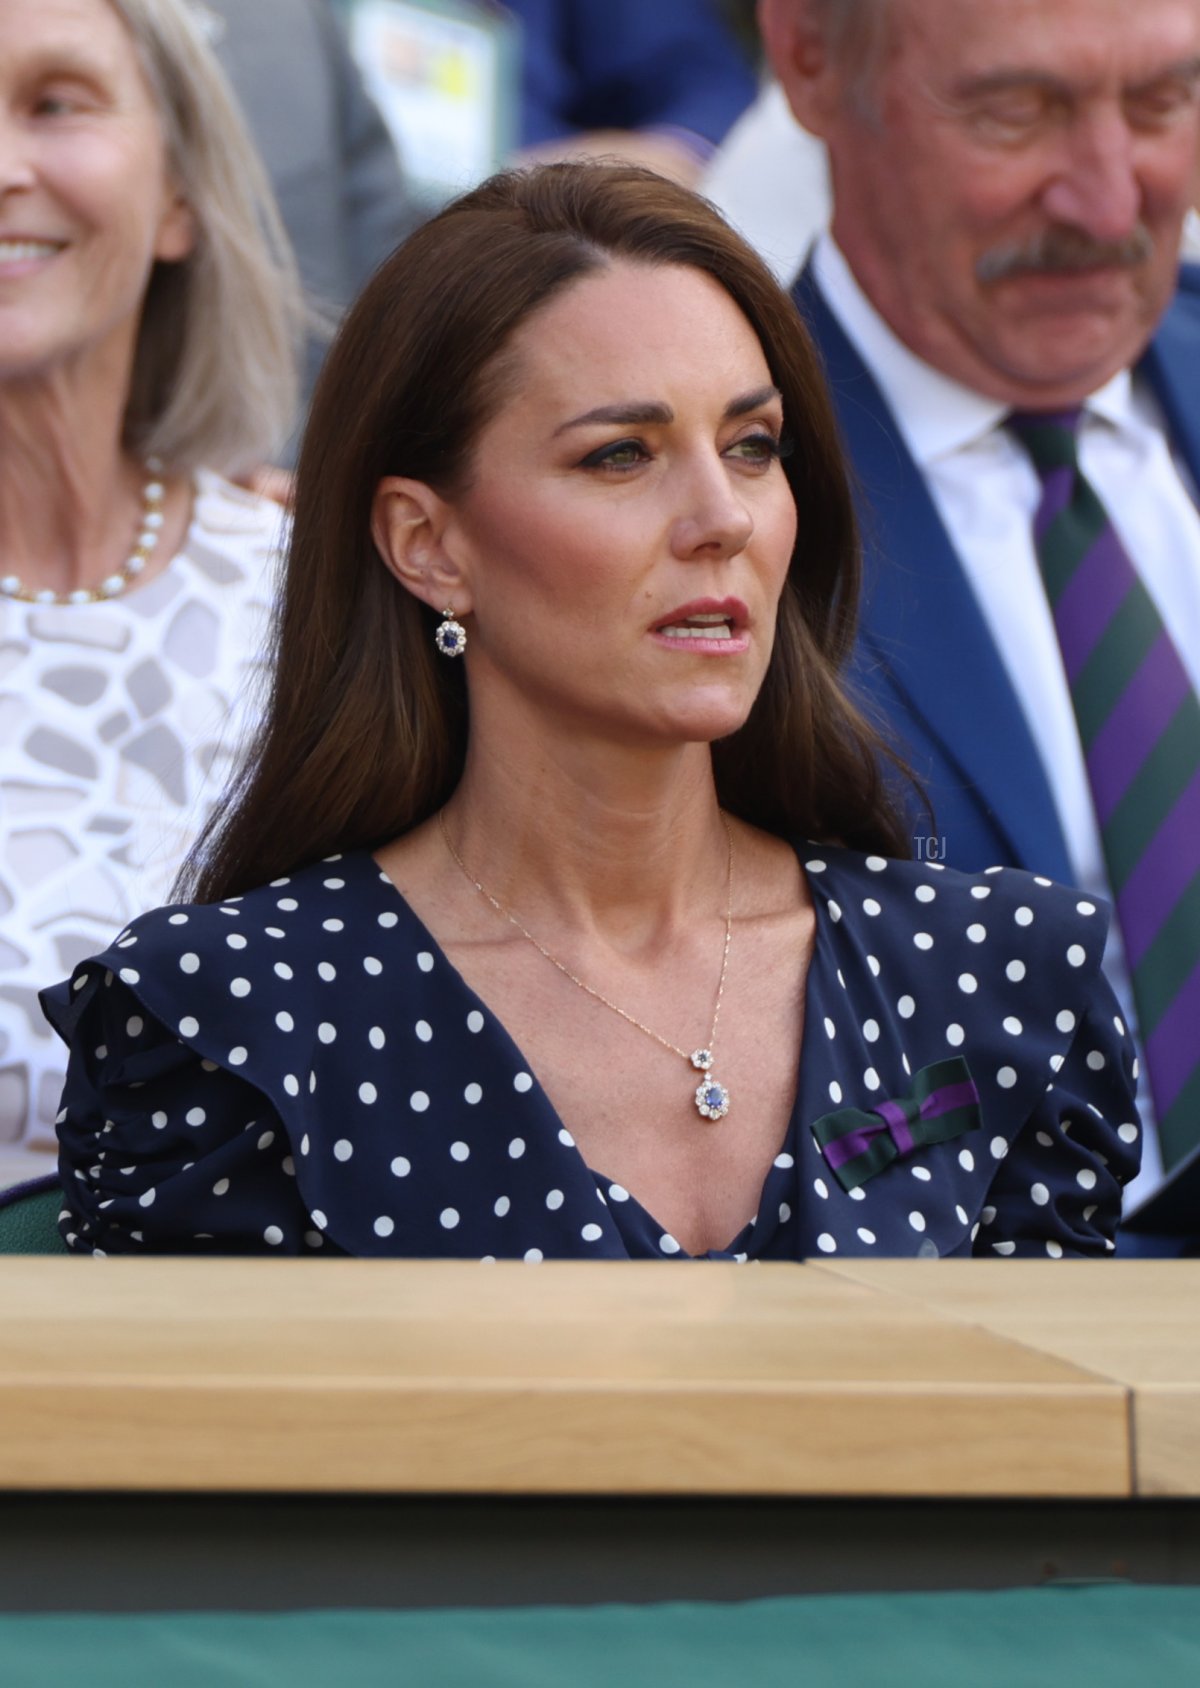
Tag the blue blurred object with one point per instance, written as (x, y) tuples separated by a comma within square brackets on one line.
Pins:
[(630, 64)]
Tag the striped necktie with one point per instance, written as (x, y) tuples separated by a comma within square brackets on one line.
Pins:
[(1139, 724)]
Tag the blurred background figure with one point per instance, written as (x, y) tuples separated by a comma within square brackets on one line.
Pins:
[(333, 166), (770, 178), (149, 320), (1013, 350), (444, 75), (465, 86), (655, 83)]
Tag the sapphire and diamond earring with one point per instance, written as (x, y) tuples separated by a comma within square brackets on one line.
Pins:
[(451, 636)]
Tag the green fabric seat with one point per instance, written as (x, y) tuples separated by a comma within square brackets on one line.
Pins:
[(1105, 1636), (29, 1217)]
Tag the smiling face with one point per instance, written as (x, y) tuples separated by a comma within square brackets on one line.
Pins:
[(627, 527), (86, 205), (1012, 199)]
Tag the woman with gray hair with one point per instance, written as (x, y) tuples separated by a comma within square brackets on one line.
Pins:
[(149, 318)]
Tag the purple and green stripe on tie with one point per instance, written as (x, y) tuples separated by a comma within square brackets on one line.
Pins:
[(1139, 725)]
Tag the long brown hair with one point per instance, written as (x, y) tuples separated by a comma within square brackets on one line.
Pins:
[(365, 734)]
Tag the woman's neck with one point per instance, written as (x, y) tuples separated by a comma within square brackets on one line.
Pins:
[(606, 839), (70, 498)]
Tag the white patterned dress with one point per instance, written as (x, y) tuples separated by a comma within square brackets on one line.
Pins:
[(119, 724)]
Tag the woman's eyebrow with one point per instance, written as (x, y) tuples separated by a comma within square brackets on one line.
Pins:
[(65, 59), (752, 401), (636, 411), (646, 411)]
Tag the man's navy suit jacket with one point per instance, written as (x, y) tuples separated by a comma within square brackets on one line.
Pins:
[(926, 664)]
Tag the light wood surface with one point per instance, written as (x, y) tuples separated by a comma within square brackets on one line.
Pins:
[(1136, 1322), (558, 1378)]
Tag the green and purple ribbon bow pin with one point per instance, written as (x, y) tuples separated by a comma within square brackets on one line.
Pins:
[(944, 1103)]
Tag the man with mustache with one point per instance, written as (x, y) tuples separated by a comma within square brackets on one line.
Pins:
[(1010, 342)]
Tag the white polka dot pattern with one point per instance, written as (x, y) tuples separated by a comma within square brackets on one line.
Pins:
[(393, 1114)]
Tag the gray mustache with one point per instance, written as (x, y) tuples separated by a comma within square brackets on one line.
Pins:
[(1065, 251)]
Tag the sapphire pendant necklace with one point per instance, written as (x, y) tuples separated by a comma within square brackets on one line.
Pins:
[(711, 1097)]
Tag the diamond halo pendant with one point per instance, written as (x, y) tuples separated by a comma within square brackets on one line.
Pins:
[(711, 1097)]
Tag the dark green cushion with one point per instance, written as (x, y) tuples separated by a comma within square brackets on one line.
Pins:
[(29, 1220), (1098, 1637)]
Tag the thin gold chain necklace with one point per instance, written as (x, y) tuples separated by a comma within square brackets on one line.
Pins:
[(711, 1097)]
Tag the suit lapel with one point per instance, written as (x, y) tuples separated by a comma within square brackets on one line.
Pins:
[(1170, 363), (921, 623)]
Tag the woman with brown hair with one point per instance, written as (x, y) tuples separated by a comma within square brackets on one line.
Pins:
[(509, 942)]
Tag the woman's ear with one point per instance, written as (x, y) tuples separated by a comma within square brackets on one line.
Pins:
[(408, 524), (176, 236)]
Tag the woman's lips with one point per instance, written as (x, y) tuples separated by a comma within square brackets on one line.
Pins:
[(698, 627), (19, 255), (706, 612), (717, 628)]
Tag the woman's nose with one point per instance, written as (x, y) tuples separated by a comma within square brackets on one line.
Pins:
[(714, 520), (16, 171)]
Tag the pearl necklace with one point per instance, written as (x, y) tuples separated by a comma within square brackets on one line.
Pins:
[(711, 1097), (153, 493)]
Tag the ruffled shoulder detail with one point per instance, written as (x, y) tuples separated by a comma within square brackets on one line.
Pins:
[(1001, 971), (244, 982), (996, 966), (302, 1068)]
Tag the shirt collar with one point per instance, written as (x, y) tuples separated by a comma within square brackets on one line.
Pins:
[(936, 415)]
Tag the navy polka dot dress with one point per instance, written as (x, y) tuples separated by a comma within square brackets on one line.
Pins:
[(301, 1070)]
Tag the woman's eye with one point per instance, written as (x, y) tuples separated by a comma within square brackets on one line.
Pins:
[(58, 102), (756, 448), (621, 454)]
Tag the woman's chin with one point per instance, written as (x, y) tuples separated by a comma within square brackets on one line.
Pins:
[(705, 720)]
